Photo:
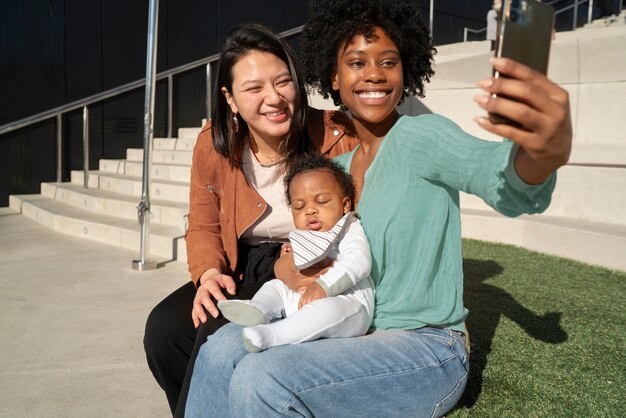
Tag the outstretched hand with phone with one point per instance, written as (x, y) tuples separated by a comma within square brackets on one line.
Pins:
[(541, 110)]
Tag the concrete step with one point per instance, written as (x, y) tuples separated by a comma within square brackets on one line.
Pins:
[(461, 48), (590, 194), (593, 194), (614, 20), (161, 156), (189, 133), (179, 144), (165, 241), (594, 243), (588, 56), (115, 204), (173, 172), (599, 153), (132, 185)]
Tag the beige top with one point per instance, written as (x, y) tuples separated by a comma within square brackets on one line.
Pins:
[(267, 180)]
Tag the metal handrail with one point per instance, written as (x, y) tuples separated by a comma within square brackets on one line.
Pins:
[(574, 6), (466, 30)]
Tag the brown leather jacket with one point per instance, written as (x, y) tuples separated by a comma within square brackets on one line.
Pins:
[(222, 205)]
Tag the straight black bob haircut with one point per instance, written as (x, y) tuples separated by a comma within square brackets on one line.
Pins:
[(313, 162), (229, 141)]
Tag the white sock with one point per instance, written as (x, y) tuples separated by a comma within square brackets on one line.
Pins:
[(258, 338)]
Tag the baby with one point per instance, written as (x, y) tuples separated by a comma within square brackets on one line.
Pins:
[(338, 304)]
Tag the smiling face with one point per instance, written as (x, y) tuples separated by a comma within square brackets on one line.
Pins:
[(369, 77), (263, 94), (317, 200)]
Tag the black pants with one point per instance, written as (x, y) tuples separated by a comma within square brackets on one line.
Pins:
[(171, 341)]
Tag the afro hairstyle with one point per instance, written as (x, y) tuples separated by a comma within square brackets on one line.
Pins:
[(334, 23)]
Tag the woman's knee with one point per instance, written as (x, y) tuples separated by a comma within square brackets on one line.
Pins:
[(250, 381), (158, 329), (167, 323), (265, 385), (259, 379), (223, 349)]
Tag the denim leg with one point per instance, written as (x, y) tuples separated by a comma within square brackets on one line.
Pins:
[(212, 373), (419, 373)]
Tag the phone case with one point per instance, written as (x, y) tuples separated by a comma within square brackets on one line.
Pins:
[(525, 32)]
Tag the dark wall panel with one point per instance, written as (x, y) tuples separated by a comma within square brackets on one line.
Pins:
[(190, 99), (191, 30), (26, 159), (32, 80), (32, 57), (272, 13), (83, 40)]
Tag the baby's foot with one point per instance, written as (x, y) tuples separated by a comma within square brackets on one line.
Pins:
[(241, 312), (258, 338)]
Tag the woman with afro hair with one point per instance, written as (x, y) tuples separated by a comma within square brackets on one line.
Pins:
[(368, 55)]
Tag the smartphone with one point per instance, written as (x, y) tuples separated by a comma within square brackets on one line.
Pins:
[(524, 35)]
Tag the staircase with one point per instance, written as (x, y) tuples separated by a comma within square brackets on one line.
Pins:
[(107, 211)]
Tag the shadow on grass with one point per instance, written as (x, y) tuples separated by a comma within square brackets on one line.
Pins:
[(487, 303)]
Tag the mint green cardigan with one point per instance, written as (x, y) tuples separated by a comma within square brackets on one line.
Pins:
[(409, 209)]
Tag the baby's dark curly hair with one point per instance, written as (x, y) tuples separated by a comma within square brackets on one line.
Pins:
[(333, 23), (314, 162)]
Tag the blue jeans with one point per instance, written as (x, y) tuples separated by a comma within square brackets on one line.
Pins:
[(393, 373)]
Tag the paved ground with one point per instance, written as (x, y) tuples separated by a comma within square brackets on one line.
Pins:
[(72, 314)]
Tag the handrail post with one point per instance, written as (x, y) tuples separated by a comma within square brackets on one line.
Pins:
[(59, 148), (170, 101), (590, 12), (574, 23), (465, 34), (208, 91), (85, 147), (430, 22), (143, 209)]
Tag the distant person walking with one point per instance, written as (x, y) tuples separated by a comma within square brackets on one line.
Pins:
[(493, 16)]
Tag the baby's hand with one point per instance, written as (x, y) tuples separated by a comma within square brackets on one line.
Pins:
[(286, 248), (312, 293)]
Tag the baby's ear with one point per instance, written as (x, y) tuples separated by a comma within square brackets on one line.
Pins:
[(347, 205)]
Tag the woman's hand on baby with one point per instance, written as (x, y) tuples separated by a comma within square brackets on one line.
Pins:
[(312, 293), (212, 284), (542, 110)]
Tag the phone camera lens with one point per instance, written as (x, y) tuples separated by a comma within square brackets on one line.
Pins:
[(514, 16)]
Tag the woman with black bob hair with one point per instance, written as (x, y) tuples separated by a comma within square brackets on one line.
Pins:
[(408, 171), (238, 216), (229, 133)]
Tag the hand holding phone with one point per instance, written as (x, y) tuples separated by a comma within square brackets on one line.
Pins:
[(524, 35)]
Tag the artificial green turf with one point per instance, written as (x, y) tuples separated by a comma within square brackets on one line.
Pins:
[(548, 335)]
